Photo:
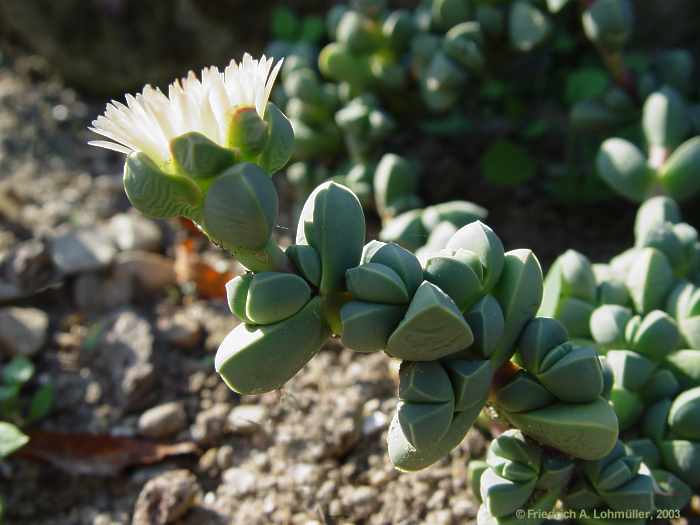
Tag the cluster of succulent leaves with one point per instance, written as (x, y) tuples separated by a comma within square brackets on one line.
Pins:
[(19, 405), (451, 68), (641, 311)]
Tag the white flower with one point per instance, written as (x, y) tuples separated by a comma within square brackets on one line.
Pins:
[(150, 120)]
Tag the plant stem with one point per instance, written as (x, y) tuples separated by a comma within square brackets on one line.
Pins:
[(270, 258)]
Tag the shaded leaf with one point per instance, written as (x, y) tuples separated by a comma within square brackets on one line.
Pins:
[(41, 403)]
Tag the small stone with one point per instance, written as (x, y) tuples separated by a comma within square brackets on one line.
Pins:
[(224, 457), (166, 498), (82, 250), (181, 330), (151, 272), (439, 517), (210, 425), (115, 292), (163, 420), (238, 481), (207, 463), (373, 423), (247, 419), (22, 330), (131, 231)]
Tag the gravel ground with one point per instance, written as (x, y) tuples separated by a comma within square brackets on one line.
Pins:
[(91, 290)]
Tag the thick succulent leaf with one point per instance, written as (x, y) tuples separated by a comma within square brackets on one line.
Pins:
[(624, 168), (237, 295), (333, 223), (335, 61), (664, 238), (11, 439), (406, 230), (578, 366), (586, 431), (661, 385), (240, 207), (578, 279), (540, 335), (470, 381), (685, 365), (475, 469), (657, 336), (432, 328), (274, 296), (682, 458), (457, 213), (631, 370), (655, 421), (406, 457), (637, 494), (486, 321), (645, 449), (306, 260), (665, 119), (609, 23), (455, 275), (575, 315), (678, 175), (649, 280), (655, 211), (608, 324), (394, 178), (528, 26), (197, 156), (377, 283), (253, 360), (684, 416), (581, 495), (425, 382), (519, 292), (523, 393), (690, 329), (628, 406), (448, 13), (502, 496), (556, 472), (398, 259), (424, 424), (512, 447), (367, 326), (675, 494), (480, 239), (157, 194), (463, 43), (618, 473)]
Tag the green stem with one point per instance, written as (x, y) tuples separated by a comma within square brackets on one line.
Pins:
[(270, 258)]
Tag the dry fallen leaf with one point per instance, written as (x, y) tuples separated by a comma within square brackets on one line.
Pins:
[(98, 454), (209, 282)]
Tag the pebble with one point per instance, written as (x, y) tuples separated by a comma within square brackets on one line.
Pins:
[(238, 481), (115, 292), (163, 420), (150, 272), (210, 425), (180, 330), (82, 250), (23, 331), (166, 498), (133, 231), (247, 419)]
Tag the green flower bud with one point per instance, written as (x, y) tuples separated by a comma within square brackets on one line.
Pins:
[(196, 156), (609, 23), (649, 280), (433, 327), (240, 207), (368, 326), (332, 222), (158, 194), (678, 175), (280, 141), (624, 168), (257, 359), (665, 119), (376, 283), (395, 178), (528, 26)]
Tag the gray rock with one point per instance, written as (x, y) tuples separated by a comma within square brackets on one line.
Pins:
[(132, 231), (22, 330), (82, 250), (122, 358), (247, 419), (238, 481), (163, 420), (180, 329), (210, 425), (115, 291), (26, 269), (151, 272), (166, 498)]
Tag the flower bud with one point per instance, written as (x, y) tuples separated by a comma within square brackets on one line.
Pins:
[(247, 133)]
